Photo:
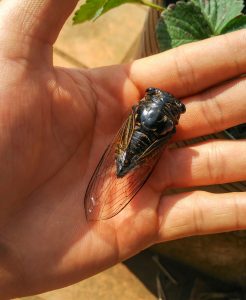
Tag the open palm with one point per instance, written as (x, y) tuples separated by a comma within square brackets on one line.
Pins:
[(56, 123)]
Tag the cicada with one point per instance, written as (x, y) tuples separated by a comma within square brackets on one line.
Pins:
[(130, 159)]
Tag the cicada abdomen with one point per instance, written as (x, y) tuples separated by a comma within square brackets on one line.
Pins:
[(129, 160)]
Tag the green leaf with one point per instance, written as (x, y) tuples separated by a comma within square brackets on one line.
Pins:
[(219, 12), (88, 11), (180, 24), (235, 24), (114, 3), (92, 9)]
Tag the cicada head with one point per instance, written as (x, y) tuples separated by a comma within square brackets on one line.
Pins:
[(173, 107)]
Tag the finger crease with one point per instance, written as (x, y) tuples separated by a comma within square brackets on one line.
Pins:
[(197, 216), (215, 157), (236, 210), (212, 110), (185, 70), (233, 54)]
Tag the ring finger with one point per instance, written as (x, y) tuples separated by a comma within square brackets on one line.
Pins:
[(213, 162)]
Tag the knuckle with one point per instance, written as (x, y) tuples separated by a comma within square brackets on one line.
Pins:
[(215, 163), (212, 111), (234, 48), (197, 213), (184, 69)]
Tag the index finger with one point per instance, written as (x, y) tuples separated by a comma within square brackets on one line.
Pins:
[(190, 68)]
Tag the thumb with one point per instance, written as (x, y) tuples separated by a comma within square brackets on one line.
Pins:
[(37, 21)]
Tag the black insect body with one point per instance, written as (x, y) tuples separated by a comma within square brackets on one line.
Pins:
[(129, 160), (155, 119)]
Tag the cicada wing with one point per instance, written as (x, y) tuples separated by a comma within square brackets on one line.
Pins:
[(107, 194)]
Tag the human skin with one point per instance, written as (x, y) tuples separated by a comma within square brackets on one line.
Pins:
[(55, 124)]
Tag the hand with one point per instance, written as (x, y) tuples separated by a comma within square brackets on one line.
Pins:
[(55, 124)]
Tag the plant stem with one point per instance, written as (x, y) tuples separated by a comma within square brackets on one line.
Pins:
[(150, 4)]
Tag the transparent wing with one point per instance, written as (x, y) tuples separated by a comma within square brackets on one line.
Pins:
[(106, 194)]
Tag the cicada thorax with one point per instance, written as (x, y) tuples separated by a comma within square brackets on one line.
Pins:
[(130, 158), (154, 123)]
